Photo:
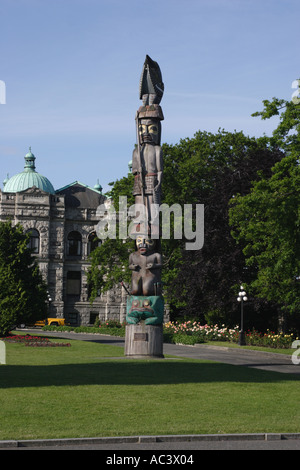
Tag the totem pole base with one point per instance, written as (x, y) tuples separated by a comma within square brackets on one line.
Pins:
[(144, 341)]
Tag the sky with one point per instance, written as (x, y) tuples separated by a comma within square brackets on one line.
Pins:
[(71, 70)]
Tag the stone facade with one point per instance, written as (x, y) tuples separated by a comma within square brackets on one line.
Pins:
[(62, 227)]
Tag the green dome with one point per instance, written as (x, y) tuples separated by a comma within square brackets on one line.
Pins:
[(28, 178)]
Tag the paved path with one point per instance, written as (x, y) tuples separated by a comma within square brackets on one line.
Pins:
[(242, 357), (236, 356), (185, 445)]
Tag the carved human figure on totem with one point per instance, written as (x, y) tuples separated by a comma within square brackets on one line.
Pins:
[(147, 167), (146, 264)]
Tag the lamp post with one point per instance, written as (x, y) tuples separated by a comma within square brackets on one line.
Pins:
[(49, 300), (242, 298)]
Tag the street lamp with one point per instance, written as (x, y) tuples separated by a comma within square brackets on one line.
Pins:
[(49, 300), (242, 298)]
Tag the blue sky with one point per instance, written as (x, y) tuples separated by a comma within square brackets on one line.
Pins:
[(72, 70)]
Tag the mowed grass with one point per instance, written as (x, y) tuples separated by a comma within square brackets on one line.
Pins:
[(89, 390)]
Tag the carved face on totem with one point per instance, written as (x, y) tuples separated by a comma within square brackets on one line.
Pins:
[(145, 245), (149, 131)]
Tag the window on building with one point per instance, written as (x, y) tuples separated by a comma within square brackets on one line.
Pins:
[(93, 242), (73, 283), (34, 241), (74, 244), (93, 317)]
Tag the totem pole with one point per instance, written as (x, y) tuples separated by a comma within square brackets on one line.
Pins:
[(145, 305)]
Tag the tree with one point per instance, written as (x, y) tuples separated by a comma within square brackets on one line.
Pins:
[(286, 136), (208, 169), (23, 292), (266, 223), (109, 261), (211, 169)]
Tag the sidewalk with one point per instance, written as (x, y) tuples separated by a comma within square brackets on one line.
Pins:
[(275, 362), (178, 443)]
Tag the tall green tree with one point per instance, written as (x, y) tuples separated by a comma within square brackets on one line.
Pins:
[(109, 261), (266, 223), (208, 169), (286, 135), (211, 169), (23, 292)]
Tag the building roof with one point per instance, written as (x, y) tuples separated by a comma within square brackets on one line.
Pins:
[(81, 195), (28, 178)]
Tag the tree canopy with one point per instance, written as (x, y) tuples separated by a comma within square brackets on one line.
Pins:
[(23, 292), (250, 191), (208, 169), (214, 169), (286, 135), (266, 222)]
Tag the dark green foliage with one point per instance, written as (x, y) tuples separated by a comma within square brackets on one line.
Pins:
[(23, 292), (259, 180), (286, 136), (208, 169), (266, 221), (211, 169), (109, 262)]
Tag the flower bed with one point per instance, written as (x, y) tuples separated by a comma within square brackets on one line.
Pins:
[(269, 339), (34, 341), (190, 332)]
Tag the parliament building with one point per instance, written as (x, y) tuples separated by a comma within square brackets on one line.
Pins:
[(61, 224)]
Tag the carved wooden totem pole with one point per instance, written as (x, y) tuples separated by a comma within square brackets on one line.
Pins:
[(145, 305)]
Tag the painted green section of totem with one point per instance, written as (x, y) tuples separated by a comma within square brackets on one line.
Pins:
[(147, 308)]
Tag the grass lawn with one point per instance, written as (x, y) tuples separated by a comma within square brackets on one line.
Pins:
[(88, 390)]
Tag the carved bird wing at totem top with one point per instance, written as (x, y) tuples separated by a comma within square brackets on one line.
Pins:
[(151, 84)]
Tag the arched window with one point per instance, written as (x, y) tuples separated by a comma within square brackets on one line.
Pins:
[(74, 244), (34, 241), (93, 242)]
